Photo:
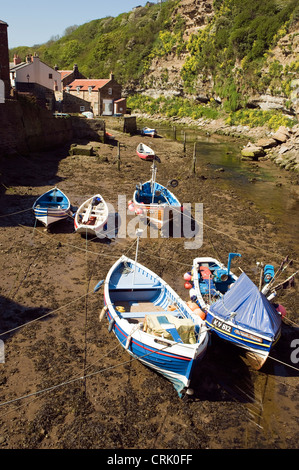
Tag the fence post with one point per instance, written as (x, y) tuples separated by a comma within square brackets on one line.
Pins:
[(118, 156), (194, 159)]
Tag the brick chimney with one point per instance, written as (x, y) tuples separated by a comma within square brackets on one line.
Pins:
[(16, 59), (4, 58)]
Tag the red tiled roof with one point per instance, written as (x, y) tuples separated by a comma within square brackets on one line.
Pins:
[(64, 73), (85, 83)]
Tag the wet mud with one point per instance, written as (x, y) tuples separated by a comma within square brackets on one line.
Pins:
[(66, 383)]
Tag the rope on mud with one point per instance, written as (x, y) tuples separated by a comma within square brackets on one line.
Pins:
[(283, 363), (223, 233), (14, 213), (69, 244), (46, 314), (67, 382)]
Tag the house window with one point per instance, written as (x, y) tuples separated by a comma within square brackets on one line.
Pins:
[(82, 109), (89, 90), (109, 91), (67, 89), (50, 75), (78, 89)]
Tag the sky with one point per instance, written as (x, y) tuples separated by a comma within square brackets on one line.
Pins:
[(33, 22)]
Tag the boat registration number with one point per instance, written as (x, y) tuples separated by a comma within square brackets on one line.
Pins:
[(221, 325)]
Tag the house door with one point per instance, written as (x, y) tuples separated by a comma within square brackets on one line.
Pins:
[(107, 107)]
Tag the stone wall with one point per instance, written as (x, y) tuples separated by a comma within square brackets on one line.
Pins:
[(26, 127)]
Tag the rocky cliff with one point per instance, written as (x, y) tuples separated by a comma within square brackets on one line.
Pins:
[(164, 74)]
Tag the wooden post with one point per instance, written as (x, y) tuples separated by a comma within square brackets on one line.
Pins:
[(118, 156), (184, 144), (174, 132), (194, 159)]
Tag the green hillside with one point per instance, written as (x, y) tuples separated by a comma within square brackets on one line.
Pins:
[(120, 44), (231, 52)]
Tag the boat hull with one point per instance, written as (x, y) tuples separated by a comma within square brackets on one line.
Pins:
[(48, 216), (149, 132), (257, 347), (174, 360), (51, 207), (145, 153), (91, 218)]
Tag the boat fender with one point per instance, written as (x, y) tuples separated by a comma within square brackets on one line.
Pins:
[(192, 293), (111, 324), (171, 308), (200, 313), (192, 305), (188, 285), (281, 310), (128, 342), (131, 207), (102, 313), (187, 276)]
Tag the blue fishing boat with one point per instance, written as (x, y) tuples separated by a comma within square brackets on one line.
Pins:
[(155, 201), (153, 323), (149, 131), (51, 207), (236, 310)]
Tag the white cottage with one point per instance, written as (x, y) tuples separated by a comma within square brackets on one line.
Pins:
[(35, 77)]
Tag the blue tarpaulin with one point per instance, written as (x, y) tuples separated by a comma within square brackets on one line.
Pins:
[(248, 307)]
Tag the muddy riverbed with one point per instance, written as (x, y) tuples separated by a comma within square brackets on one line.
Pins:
[(50, 315)]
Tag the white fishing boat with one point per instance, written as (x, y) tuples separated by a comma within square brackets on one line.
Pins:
[(91, 216)]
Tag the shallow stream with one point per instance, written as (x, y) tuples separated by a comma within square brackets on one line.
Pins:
[(266, 185)]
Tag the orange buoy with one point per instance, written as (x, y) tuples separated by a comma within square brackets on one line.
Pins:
[(188, 285), (200, 313)]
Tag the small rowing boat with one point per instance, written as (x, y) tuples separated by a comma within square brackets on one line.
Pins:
[(152, 323), (51, 207), (91, 216), (149, 131), (144, 152)]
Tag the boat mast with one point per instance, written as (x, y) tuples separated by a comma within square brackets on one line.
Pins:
[(139, 232), (153, 180)]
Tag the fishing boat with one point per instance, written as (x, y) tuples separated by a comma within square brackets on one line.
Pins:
[(91, 216), (236, 310), (149, 131), (144, 152), (155, 201), (152, 323), (51, 207)]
